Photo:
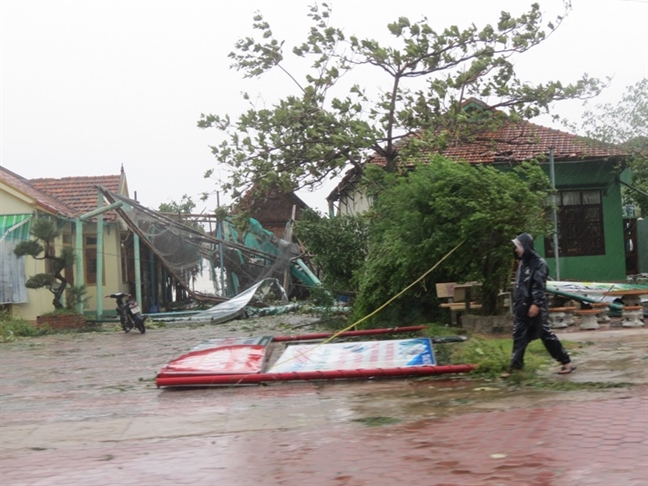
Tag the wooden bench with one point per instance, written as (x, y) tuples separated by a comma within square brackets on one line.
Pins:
[(588, 318), (603, 308), (459, 298), (561, 317), (458, 306), (445, 290)]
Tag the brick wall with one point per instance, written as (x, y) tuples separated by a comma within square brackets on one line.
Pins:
[(62, 321)]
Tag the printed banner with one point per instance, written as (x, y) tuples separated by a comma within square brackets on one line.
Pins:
[(222, 357), (355, 356)]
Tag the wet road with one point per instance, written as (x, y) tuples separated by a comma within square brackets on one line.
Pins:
[(83, 409)]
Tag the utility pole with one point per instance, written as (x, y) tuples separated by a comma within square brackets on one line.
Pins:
[(554, 212)]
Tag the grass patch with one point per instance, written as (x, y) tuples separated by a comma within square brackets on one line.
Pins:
[(377, 421), (440, 330), (150, 323), (565, 385), (493, 356), (12, 328)]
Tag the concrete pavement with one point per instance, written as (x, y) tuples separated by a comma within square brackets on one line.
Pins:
[(82, 409)]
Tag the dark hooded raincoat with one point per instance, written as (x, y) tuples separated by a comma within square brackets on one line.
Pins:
[(530, 287)]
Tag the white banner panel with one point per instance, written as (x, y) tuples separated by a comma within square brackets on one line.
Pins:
[(355, 355)]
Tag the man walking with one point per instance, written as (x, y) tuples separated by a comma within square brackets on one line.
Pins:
[(530, 309)]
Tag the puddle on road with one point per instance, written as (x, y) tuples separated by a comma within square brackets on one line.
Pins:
[(437, 399), (604, 370), (434, 398)]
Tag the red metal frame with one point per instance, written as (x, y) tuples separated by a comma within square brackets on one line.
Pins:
[(175, 379), (365, 332), (256, 378)]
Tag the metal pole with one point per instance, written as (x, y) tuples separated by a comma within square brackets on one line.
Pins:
[(219, 235), (153, 272), (100, 255), (554, 213), (138, 268), (79, 260), (288, 239)]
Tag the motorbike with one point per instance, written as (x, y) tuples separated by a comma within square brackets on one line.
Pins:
[(128, 311)]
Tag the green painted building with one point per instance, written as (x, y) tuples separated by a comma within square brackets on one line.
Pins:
[(596, 240), (591, 238)]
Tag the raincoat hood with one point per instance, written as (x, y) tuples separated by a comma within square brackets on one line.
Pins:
[(525, 241)]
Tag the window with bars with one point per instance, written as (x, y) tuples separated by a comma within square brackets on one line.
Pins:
[(580, 224), (90, 263)]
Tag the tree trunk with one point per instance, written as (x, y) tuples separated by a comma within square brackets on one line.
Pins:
[(59, 292)]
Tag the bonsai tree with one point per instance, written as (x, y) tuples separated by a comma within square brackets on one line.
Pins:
[(45, 231)]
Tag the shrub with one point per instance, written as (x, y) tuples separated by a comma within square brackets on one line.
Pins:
[(12, 327)]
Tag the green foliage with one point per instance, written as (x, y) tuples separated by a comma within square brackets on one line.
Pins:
[(625, 123), (30, 247), (76, 295), (180, 210), (319, 129), (185, 206), (39, 280), (13, 327), (321, 296), (45, 231), (417, 220), (338, 245)]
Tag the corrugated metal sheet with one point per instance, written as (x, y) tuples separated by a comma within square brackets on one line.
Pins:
[(14, 228), (12, 275)]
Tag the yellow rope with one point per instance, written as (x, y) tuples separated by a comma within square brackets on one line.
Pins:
[(397, 295), (382, 306)]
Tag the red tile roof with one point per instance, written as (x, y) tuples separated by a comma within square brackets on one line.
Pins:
[(66, 196), (79, 193), (44, 201), (524, 141), (512, 142), (516, 142)]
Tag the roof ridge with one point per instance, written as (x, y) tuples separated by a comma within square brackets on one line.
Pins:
[(42, 198), (77, 192), (112, 176)]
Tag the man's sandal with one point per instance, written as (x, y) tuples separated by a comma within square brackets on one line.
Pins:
[(509, 372), (566, 369)]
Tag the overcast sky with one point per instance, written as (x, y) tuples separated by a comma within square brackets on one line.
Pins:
[(88, 86)]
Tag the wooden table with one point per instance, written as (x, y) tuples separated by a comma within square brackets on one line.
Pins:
[(631, 297), (632, 310)]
